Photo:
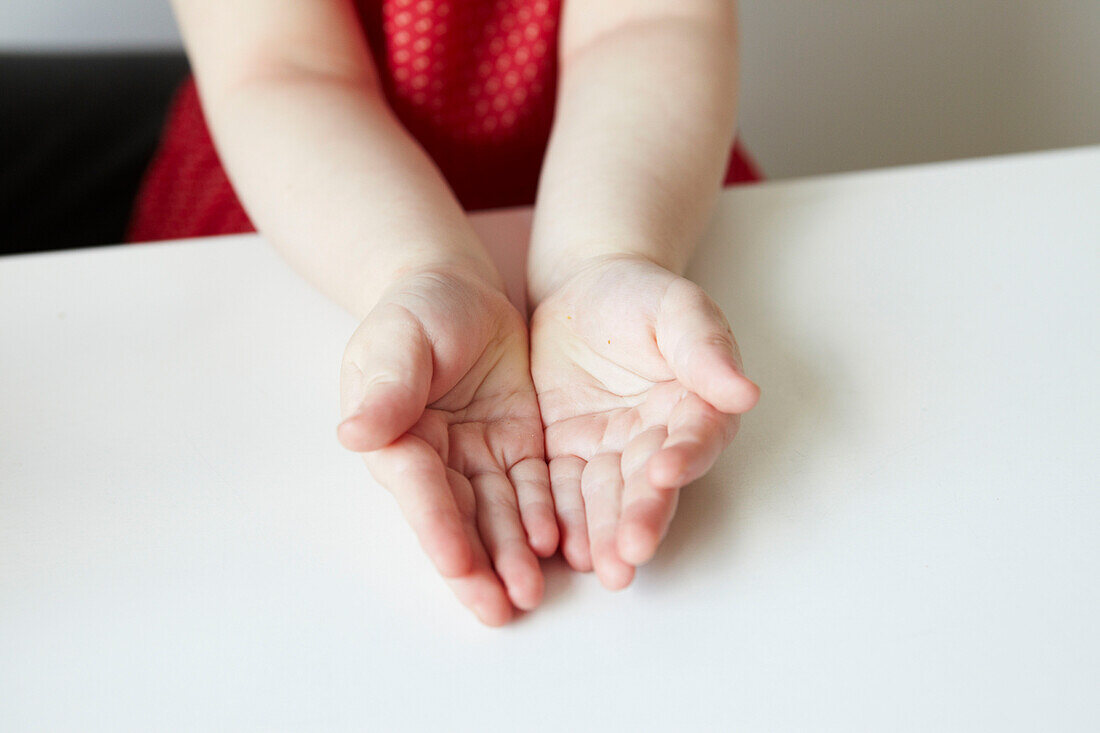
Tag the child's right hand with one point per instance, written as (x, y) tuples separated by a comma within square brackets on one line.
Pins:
[(437, 395)]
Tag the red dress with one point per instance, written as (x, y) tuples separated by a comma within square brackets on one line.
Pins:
[(473, 80)]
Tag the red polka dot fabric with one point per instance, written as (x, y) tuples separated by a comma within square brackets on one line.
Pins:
[(473, 80), (477, 72)]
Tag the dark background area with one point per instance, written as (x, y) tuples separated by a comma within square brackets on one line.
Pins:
[(77, 131)]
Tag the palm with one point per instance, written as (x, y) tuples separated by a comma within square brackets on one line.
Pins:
[(622, 356), (447, 419)]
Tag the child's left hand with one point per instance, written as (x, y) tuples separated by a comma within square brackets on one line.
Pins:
[(640, 385)]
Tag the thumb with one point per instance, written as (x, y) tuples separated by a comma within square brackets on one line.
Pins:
[(384, 380), (695, 339)]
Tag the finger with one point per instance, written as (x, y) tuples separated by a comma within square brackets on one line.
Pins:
[(536, 507), (502, 533), (602, 486), (415, 475), (385, 379), (575, 437), (647, 510), (565, 486), (645, 519), (480, 589), (697, 434), (695, 338)]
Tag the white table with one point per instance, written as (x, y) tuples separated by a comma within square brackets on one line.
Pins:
[(905, 536)]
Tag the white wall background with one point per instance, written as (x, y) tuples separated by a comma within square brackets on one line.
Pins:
[(834, 85), (828, 85)]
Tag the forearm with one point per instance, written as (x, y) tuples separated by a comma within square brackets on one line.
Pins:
[(323, 167), (645, 122), (333, 181)]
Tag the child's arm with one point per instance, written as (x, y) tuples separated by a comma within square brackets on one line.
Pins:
[(645, 122), (637, 373), (435, 382), (321, 164)]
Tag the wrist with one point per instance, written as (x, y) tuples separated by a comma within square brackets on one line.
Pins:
[(469, 267), (547, 275)]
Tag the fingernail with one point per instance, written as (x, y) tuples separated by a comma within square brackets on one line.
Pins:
[(348, 420), (484, 613)]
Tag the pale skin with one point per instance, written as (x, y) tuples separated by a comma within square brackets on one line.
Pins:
[(500, 441)]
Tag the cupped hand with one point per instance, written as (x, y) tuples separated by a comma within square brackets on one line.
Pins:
[(639, 383), (437, 396)]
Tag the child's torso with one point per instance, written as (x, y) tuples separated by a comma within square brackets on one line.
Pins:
[(474, 81)]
